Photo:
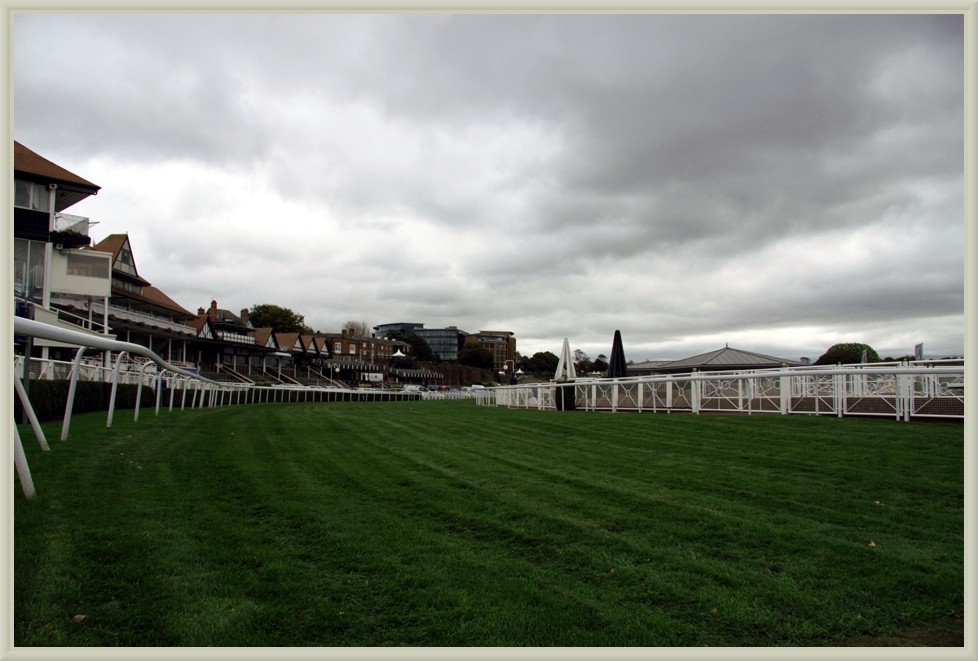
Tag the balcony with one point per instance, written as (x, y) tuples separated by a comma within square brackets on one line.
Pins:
[(70, 231), (236, 337), (66, 222), (140, 319)]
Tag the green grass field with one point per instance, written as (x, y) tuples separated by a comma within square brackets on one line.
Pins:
[(448, 524)]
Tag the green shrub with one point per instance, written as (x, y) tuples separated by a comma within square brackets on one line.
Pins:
[(848, 353), (48, 398)]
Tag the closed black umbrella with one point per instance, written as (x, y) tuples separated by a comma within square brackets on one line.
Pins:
[(616, 364)]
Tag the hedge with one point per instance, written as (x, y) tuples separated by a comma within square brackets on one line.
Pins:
[(48, 398)]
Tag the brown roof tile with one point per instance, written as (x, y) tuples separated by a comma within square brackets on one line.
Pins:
[(30, 162)]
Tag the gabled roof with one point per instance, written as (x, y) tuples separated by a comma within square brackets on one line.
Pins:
[(113, 244), (31, 166), (286, 341), (264, 337), (227, 317), (726, 359), (159, 298), (203, 326)]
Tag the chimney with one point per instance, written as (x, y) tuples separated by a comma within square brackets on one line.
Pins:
[(244, 314), (213, 311), (201, 312)]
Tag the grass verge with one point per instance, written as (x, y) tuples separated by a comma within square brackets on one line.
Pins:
[(447, 524)]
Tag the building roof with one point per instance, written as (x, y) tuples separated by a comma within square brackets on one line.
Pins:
[(32, 166), (726, 359), (262, 335), (286, 341), (156, 296), (150, 296), (113, 244)]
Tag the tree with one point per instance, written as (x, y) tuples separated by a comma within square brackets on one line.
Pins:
[(600, 363), (582, 362), (474, 355), (848, 353), (543, 362), (279, 319), (420, 348), (357, 328)]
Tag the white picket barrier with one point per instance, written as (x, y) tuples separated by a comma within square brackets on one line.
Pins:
[(900, 390)]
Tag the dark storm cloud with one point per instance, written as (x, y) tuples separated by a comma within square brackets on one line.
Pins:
[(670, 174)]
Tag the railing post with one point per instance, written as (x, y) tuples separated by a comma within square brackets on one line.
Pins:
[(20, 463), (70, 403), (159, 389), (139, 390), (115, 387), (784, 386), (29, 411)]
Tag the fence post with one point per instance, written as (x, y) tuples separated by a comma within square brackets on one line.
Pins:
[(115, 387), (139, 390), (20, 463), (29, 412), (785, 392), (70, 403), (159, 388), (841, 400)]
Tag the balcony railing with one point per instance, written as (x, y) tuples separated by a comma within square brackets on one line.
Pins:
[(236, 337), (66, 222), (145, 319)]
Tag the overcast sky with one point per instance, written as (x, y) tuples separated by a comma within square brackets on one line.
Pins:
[(778, 183)]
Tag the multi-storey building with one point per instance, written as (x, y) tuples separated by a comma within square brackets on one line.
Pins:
[(444, 342), (502, 346), (60, 278), (404, 328), (55, 279), (140, 313)]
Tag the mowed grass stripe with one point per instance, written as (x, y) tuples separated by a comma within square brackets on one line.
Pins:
[(443, 523)]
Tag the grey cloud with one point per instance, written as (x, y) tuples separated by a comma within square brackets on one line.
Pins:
[(651, 149)]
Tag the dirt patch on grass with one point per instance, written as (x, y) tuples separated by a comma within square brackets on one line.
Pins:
[(949, 633)]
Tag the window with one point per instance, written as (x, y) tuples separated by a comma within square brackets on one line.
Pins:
[(124, 262), (29, 267), (87, 266), (29, 195), (127, 286)]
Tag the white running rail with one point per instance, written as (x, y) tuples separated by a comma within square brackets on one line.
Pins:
[(151, 370), (901, 391)]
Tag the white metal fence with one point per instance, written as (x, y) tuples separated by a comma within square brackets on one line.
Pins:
[(135, 364), (931, 389)]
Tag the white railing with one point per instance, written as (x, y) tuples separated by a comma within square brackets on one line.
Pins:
[(928, 389), (138, 365), (66, 222), (139, 317)]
